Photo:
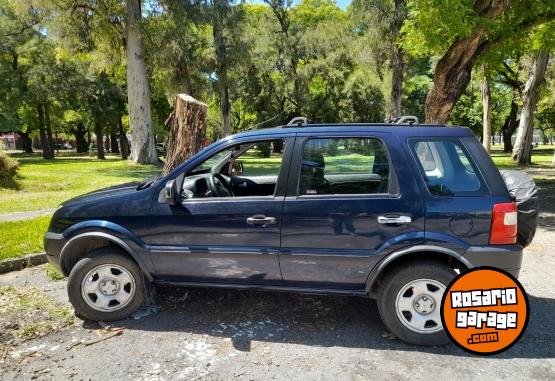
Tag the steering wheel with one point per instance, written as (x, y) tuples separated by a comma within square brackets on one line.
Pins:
[(219, 185)]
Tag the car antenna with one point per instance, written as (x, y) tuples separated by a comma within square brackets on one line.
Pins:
[(264, 122)]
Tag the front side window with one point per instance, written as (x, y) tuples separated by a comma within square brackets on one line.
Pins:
[(447, 169), (344, 166), (246, 169)]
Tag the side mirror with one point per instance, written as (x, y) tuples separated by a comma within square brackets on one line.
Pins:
[(237, 168), (170, 192)]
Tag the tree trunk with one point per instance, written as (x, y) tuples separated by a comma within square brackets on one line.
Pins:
[(397, 61), (99, 140), (143, 149), (114, 143), (123, 143), (453, 71), (221, 65), (80, 141), (42, 132), (509, 127), (26, 142), (522, 151), (48, 125), (397, 67), (187, 130), (278, 146), (43, 143), (486, 105)]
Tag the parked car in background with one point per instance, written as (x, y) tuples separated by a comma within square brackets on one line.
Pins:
[(385, 211)]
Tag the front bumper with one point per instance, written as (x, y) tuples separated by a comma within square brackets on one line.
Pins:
[(53, 245), (504, 257)]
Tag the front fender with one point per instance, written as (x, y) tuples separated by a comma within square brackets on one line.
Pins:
[(112, 232)]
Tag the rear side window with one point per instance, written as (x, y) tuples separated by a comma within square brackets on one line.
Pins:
[(446, 167), (344, 166)]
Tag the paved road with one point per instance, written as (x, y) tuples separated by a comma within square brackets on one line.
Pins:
[(220, 335), (17, 216)]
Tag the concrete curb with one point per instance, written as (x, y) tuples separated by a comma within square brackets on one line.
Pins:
[(14, 264)]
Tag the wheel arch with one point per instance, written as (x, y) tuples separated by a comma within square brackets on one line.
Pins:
[(415, 253), (83, 243)]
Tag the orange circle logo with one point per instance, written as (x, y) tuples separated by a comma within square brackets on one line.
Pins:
[(485, 310)]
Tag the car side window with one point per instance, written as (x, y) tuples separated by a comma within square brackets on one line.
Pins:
[(243, 170), (262, 159), (446, 167), (344, 166)]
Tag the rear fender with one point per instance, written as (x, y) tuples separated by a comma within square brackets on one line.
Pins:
[(405, 253)]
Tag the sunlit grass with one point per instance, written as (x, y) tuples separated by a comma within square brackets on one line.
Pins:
[(541, 156), (18, 238), (42, 184)]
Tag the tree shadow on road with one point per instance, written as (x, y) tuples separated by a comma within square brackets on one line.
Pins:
[(248, 317)]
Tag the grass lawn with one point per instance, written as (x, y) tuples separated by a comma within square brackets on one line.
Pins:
[(18, 238), (41, 184), (541, 156)]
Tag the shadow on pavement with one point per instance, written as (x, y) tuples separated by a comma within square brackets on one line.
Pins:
[(326, 321)]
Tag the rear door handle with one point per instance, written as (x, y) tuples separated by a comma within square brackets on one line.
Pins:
[(261, 220), (394, 219)]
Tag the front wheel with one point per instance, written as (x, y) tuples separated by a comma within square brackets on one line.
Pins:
[(409, 302), (106, 286)]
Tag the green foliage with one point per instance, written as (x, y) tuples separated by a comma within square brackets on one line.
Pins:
[(283, 59), (414, 95), (310, 13), (8, 168), (434, 24)]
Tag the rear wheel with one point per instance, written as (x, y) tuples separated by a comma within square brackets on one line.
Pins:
[(106, 286), (409, 302)]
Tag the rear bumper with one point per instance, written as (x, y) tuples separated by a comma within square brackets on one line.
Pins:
[(53, 245), (505, 257)]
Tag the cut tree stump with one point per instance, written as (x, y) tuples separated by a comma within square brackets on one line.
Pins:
[(187, 125)]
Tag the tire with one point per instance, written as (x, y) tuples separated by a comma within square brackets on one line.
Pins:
[(409, 302), (106, 286)]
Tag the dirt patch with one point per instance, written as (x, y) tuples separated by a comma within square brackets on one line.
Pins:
[(29, 313)]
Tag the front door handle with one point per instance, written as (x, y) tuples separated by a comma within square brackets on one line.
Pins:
[(394, 220), (261, 220)]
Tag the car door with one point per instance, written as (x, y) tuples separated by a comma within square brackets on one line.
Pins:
[(351, 199), (222, 239)]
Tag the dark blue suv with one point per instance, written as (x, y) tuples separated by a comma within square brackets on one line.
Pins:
[(391, 212)]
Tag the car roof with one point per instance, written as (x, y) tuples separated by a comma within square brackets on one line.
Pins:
[(430, 130)]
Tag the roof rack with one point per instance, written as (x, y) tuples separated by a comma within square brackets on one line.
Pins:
[(405, 119), (298, 121), (301, 121)]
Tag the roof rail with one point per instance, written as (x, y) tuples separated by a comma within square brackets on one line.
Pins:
[(405, 119), (298, 121)]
